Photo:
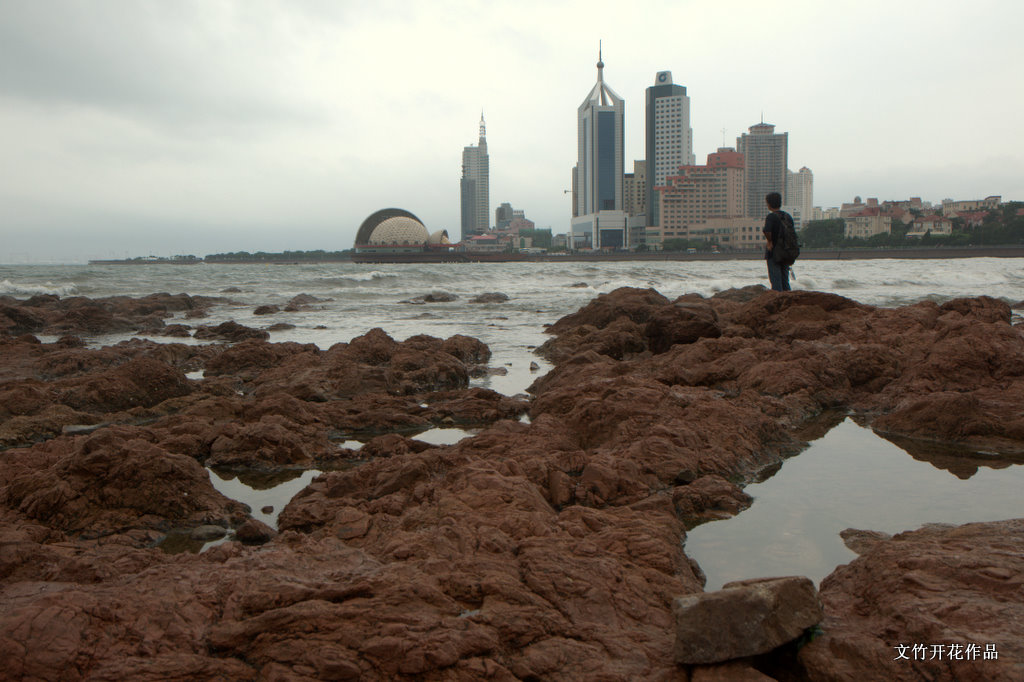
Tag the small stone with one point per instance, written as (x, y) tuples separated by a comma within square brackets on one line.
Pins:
[(254, 532), (490, 297)]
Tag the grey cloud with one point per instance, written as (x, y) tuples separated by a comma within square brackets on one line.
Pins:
[(175, 64)]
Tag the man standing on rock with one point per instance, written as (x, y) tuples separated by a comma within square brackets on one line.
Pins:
[(778, 275)]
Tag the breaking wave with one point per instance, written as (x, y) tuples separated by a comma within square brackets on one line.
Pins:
[(9, 288)]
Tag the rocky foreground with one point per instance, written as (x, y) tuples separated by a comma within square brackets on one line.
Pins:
[(541, 549)]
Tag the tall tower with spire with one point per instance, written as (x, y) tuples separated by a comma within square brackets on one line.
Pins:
[(598, 175), (475, 186)]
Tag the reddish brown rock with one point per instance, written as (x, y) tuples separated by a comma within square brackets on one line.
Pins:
[(176, 330), (744, 618), (637, 305), (80, 315), (391, 445), (248, 358), (473, 406), (934, 587), (860, 541), (550, 549), (137, 383), (254, 532), (302, 302), (109, 481), (728, 672), (490, 297), (273, 441), (467, 349), (229, 331), (682, 322), (709, 498), (619, 339), (15, 321)]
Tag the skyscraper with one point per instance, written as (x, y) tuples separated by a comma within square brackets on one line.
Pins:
[(475, 186), (634, 189), (800, 196), (669, 136), (766, 155), (597, 178)]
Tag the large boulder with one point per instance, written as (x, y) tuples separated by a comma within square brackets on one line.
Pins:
[(636, 304), (682, 322), (744, 618)]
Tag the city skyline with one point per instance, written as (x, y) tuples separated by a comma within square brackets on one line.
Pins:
[(208, 127)]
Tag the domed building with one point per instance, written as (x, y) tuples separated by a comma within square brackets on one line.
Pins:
[(392, 229), (396, 232), (439, 238)]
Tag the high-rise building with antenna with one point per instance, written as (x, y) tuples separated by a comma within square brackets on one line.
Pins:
[(475, 186), (598, 202), (669, 136), (766, 154)]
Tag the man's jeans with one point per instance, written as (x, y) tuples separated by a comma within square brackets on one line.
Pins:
[(778, 275)]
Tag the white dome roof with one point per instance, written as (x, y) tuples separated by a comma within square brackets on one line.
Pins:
[(399, 230), (440, 237)]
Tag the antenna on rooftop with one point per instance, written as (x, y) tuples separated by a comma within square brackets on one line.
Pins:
[(723, 137)]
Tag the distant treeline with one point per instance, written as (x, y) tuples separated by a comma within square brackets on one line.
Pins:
[(1001, 227), (286, 256)]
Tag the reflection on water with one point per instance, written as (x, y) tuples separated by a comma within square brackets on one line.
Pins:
[(442, 436), (266, 494), (434, 436), (851, 478), (178, 542), (262, 490)]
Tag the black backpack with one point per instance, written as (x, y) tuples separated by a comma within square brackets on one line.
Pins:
[(786, 249)]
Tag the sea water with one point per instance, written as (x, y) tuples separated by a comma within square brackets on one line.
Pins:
[(363, 296), (800, 510), (852, 478)]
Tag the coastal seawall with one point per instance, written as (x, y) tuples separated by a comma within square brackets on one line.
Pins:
[(471, 257)]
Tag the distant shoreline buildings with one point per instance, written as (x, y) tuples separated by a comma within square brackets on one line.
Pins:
[(667, 200)]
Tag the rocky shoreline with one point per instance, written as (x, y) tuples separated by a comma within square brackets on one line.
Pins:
[(541, 548)]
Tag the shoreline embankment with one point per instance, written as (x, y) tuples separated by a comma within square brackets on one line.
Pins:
[(465, 257)]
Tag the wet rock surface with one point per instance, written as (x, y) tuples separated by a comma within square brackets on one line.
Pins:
[(543, 550), (52, 315), (959, 588)]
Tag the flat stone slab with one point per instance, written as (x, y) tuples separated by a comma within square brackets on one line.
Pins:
[(744, 618)]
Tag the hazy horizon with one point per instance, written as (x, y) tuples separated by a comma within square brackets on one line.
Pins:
[(201, 127)]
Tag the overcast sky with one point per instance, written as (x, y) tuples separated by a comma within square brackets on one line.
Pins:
[(135, 127)]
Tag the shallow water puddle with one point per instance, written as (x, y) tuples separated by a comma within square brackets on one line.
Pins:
[(441, 436), (259, 490), (435, 436), (851, 478), (262, 490)]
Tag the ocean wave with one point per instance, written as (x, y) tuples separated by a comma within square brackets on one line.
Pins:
[(9, 288), (357, 277)]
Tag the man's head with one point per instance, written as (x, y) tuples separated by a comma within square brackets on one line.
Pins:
[(774, 200)]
